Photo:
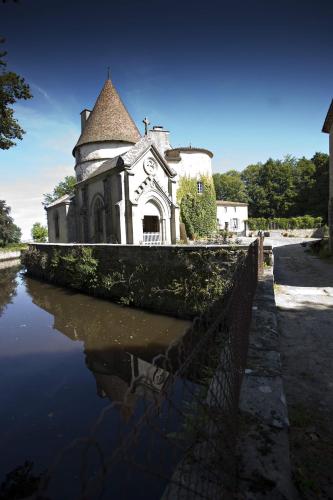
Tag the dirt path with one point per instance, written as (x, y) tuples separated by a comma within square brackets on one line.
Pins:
[(304, 296)]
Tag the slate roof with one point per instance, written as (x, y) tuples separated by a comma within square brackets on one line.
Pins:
[(190, 149), (109, 120), (328, 120), (59, 201), (225, 203)]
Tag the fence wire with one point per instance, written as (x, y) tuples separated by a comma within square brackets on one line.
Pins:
[(182, 444)]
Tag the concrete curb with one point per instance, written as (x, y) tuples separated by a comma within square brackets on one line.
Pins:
[(264, 464)]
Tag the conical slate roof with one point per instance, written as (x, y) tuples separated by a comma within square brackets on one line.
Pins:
[(109, 120)]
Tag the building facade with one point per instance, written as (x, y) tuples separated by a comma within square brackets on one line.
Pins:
[(232, 216), (328, 129), (126, 183)]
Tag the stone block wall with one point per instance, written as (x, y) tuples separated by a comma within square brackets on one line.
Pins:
[(177, 280)]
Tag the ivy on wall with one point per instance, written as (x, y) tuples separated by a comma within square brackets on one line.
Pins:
[(197, 210), (180, 283)]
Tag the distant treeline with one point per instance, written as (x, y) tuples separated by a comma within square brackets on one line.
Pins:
[(285, 188)]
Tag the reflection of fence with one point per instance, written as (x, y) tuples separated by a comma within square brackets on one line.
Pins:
[(182, 445), (151, 239)]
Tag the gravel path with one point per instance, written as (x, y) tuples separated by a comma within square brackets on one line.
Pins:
[(304, 296)]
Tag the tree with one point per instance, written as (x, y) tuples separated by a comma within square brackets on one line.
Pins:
[(9, 232), (320, 190), (12, 88), (230, 186), (17, 234), (64, 187), (39, 232)]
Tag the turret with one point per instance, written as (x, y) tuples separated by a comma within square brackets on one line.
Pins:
[(106, 132)]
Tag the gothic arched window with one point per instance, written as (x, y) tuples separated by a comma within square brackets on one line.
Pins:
[(98, 220), (56, 226)]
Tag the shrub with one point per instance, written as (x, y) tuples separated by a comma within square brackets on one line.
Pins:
[(304, 222)]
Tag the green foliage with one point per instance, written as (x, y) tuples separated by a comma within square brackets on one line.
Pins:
[(230, 186), (9, 232), (79, 268), (188, 286), (197, 210), (66, 186), (39, 232), (12, 89), (288, 187), (305, 222)]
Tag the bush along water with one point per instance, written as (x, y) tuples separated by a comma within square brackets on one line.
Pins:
[(185, 285)]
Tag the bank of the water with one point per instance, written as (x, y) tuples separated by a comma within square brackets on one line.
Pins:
[(64, 358)]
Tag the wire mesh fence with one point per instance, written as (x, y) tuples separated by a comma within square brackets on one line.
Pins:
[(176, 434)]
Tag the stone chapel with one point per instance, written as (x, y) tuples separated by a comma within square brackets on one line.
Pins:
[(126, 183)]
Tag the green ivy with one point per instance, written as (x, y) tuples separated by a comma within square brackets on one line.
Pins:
[(197, 210)]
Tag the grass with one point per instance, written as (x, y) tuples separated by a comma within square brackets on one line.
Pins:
[(14, 247)]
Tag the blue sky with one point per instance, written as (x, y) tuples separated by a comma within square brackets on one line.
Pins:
[(247, 80)]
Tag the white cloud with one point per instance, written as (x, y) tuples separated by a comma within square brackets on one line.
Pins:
[(38, 163), (25, 196)]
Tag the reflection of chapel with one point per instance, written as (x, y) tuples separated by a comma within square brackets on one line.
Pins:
[(126, 184)]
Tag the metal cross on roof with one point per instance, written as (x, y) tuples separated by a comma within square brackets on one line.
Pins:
[(146, 122)]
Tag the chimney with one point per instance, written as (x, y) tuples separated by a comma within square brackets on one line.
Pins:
[(160, 137), (84, 117)]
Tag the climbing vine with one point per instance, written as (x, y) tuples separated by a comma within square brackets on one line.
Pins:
[(197, 210)]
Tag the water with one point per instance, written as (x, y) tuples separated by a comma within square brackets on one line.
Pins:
[(65, 356)]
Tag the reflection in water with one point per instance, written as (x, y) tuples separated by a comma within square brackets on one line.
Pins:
[(8, 285), (119, 343)]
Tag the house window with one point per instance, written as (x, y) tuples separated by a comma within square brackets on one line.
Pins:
[(56, 226), (233, 224), (199, 187)]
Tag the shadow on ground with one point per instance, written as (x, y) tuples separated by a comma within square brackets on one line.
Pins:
[(304, 297)]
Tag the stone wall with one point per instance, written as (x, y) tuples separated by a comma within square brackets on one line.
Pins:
[(10, 255), (317, 232), (180, 280)]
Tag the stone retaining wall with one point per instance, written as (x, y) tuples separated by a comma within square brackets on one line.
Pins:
[(176, 280), (9, 255), (297, 233)]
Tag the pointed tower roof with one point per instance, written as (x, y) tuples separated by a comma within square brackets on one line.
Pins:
[(109, 120)]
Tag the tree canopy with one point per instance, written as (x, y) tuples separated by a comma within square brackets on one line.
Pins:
[(12, 88), (229, 186), (39, 232), (64, 187), (9, 232), (289, 187)]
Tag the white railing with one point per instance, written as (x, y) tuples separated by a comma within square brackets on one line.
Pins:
[(151, 239)]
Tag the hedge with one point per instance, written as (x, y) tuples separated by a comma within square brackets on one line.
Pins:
[(304, 222)]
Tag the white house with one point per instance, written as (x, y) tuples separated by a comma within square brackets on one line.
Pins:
[(232, 215), (328, 129), (126, 183)]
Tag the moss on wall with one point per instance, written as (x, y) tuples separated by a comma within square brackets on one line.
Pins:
[(179, 281)]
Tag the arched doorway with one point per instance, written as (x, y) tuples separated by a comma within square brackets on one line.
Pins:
[(151, 223)]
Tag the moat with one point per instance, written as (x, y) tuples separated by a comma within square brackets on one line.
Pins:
[(64, 357)]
